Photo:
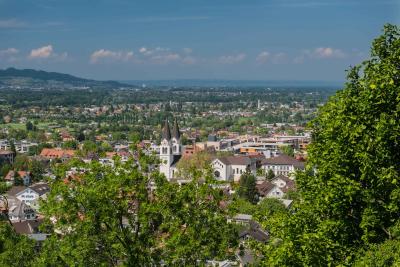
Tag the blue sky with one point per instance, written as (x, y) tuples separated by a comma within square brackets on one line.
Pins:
[(192, 39)]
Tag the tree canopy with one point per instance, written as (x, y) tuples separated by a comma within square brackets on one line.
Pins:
[(350, 191), (123, 215)]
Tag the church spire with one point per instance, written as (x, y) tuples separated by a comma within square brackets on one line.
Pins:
[(166, 132), (175, 131)]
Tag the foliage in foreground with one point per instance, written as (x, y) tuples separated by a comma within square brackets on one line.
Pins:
[(350, 192), (109, 216)]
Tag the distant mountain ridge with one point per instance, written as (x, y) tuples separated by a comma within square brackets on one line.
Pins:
[(24, 77)]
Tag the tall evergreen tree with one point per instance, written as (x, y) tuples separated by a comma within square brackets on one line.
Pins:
[(247, 187)]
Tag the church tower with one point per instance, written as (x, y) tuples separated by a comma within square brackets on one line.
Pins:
[(170, 150), (176, 140)]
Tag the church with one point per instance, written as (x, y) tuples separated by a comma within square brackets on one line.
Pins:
[(170, 150)]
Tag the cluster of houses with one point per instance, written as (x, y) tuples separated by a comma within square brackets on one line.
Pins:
[(230, 168), (22, 204), (246, 155)]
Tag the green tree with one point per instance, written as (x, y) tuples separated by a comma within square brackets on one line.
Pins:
[(37, 149), (71, 144), (287, 150), (241, 205), (12, 147), (37, 169), (247, 187), (80, 136), (350, 191), (194, 166), (29, 126), (15, 250), (109, 216), (385, 254), (18, 179), (5, 168), (270, 175), (21, 162)]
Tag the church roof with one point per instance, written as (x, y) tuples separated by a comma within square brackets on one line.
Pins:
[(176, 160), (175, 131), (166, 132)]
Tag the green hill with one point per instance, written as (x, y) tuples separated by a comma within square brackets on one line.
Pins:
[(31, 77)]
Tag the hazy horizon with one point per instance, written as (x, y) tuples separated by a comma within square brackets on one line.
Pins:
[(168, 40)]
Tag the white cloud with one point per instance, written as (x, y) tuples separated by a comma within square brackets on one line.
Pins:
[(162, 56), (187, 50), (41, 52), (299, 59), (148, 51), (9, 51), (146, 55), (320, 53), (129, 55), (145, 51), (189, 60), (328, 52), (263, 57), (98, 55), (165, 58), (231, 59), (11, 23), (9, 54), (63, 56), (279, 58)]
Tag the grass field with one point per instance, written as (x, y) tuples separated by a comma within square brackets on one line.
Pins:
[(21, 126)]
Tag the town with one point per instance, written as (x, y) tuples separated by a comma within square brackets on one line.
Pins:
[(199, 133), (236, 144)]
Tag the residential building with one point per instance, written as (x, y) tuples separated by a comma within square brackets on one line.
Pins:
[(57, 153), (231, 168), (29, 195), (282, 165), (24, 175), (276, 188), (22, 146), (7, 156), (20, 211)]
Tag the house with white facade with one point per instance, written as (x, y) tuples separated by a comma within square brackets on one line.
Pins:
[(170, 150), (29, 195), (282, 165), (276, 188), (19, 211), (22, 146), (232, 167), (24, 175)]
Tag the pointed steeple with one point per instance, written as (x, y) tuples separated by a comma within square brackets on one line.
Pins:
[(175, 131), (166, 132)]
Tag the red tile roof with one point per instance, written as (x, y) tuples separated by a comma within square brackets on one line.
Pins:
[(57, 153)]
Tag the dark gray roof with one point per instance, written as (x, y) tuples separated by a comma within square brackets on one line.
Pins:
[(264, 188), (235, 160), (41, 188), (27, 227), (166, 132), (175, 131), (15, 190), (176, 159), (19, 209), (256, 232), (283, 160)]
